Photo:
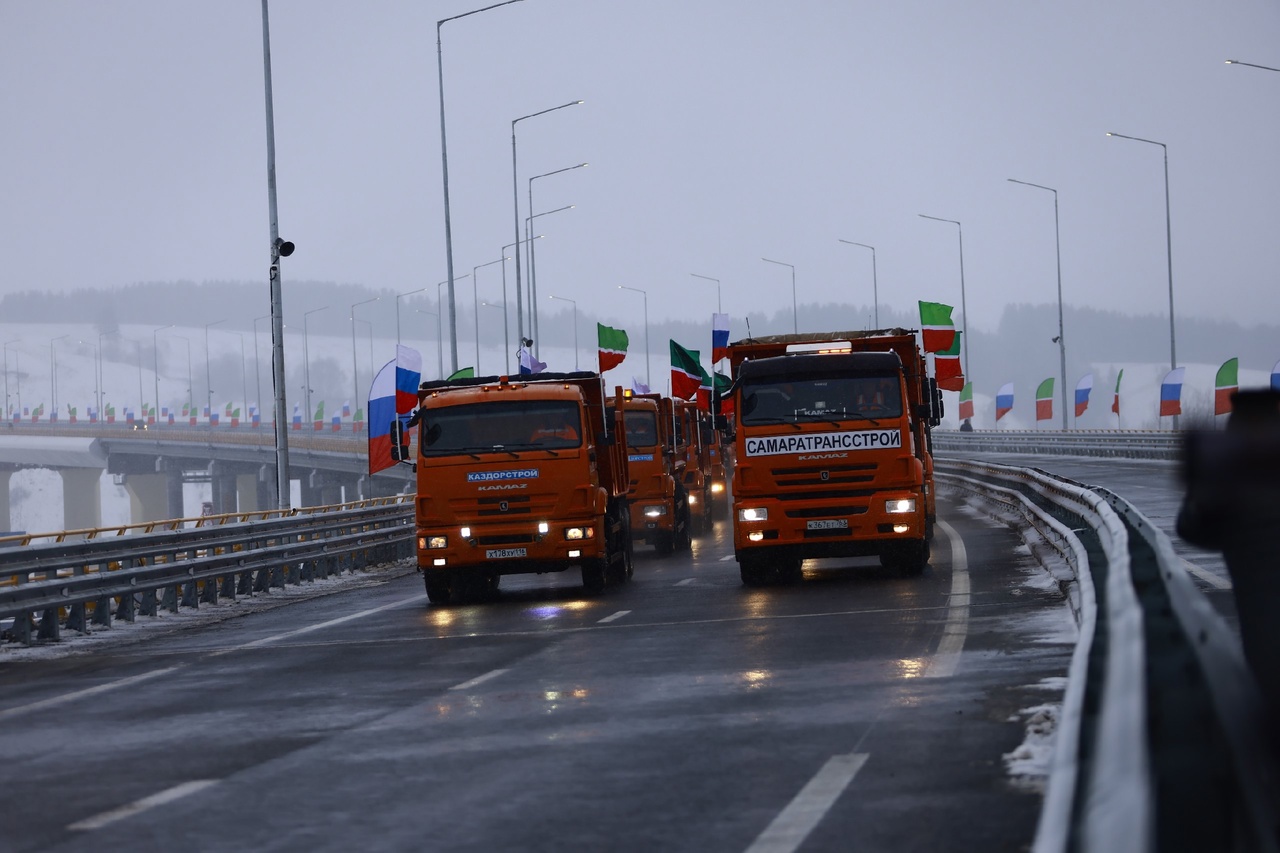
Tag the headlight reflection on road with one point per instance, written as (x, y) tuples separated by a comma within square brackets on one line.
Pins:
[(911, 668), (756, 678)]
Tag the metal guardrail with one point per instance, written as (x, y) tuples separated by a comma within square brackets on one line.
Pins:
[(1122, 444), (127, 575), (1161, 742)]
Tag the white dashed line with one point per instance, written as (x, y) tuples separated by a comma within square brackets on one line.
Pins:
[(614, 617), (164, 797), (479, 679), (321, 625), (794, 823), (685, 582), (80, 694), (947, 657), (728, 558)]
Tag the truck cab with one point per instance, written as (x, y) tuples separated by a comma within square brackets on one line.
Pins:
[(656, 495)]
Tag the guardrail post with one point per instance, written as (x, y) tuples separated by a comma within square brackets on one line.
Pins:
[(208, 591), (190, 595), (50, 629), (128, 608), (102, 612), (244, 583), (75, 620), (228, 586), (149, 606), (21, 630)]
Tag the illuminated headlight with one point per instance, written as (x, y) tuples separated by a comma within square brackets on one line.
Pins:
[(579, 533), (693, 499), (438, 561), (903, 505), (717, 488), (756, 535), (753, 514), (575, 553), (466, 532), (901, 528), (655, 511), (438, 542), (543, 527)]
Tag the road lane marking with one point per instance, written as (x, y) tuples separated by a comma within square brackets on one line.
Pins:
[(728, 558), (794, 823), (614, 616), (947, 657), (685, 582), (80, 694), (1205, 575), (479, 679), (321, 625), (177, 792)]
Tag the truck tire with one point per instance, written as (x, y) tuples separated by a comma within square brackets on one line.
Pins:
[(664, 542), (684, 537), (910, 558), (593, 576), (439, 589), (753, 570)]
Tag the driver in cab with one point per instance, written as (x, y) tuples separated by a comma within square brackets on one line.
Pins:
[(557, 427)]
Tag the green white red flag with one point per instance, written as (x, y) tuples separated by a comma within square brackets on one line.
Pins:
[(1044, 400), (613, 346), (686, 375), (966, 402), (946, 366), (936, 325), (1225, 384), (1115, 403)]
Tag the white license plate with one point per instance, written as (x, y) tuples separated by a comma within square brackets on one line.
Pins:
[(505, 553), (828, 524)]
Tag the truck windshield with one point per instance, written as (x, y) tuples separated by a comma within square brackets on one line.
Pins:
[(642, 429), (501, 426), (827, 398)]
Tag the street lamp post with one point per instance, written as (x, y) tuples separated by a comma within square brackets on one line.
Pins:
[(515, 197), (534, 331), (964, 310), (53, 374), (575, 327), (6, 381), (475, 303), (190, 402), (1062, 341), (647, 380), (506, 332), (155, 352), (1168, 242), (436, 314), (306, 360), (244, 378), (444, 166), (484, 304), (398, 298), (795, 317), (257, 361), (1250, 65), (355, 370), (440, 308), (875, 285), (717, 281), (208, 382)]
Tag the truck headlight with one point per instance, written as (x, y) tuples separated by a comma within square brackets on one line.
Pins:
[(579, 533), (901, 505), (543, 527), (717, 488), (437, 542), (753, 514), (466, 532), (693, 499), (655, 510)]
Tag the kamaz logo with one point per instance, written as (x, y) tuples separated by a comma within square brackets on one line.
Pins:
[(825, 475), (504, 487), (503, 506), (813, 456)]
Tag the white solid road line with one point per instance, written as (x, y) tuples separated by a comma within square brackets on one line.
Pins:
[(729, 557), (685, 582), (947, 657), (177, 792), (614, 617), (794, 823), (1205, 575), (479, 679), (80, 694), (320, 625)]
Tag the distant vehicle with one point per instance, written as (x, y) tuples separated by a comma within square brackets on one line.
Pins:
[(659, 504)]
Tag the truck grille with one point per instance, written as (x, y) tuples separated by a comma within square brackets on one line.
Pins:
[(836, 475), (510, 539), (825, 495), (493, 506), (826, 512)]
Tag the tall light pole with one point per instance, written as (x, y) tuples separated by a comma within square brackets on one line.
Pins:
[(190, 402), (575, 327), (475, 303), (306, 361), (101, 378), (515, 197), (355, 371), (439, 360), (1062, 341), (244, 377), (795, 315), (964, 309), (1251, 65), (647, 380), (1168, 242), (444, 166), (717, 281), (155, 352), (53, 374), (208, 382), (875, 285), (257, 362), (7, 344), (506, 332), (506, 361), (399, 296), (534, 331)]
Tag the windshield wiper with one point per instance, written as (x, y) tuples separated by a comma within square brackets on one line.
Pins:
[(769, 421)]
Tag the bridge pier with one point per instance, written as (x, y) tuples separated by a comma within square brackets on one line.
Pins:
[(148, 497), (222, 483), (81, 498), (247, 493), (177, 504), (5, 520), (309, 488)]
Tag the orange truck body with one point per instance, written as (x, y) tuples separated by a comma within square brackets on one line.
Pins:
[(695, 440), (658, 504), (519, 476), (832, 450)]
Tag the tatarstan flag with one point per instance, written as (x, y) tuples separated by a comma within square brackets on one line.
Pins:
[(935, 323), (966, 402), (946, 367), (1226, 384), (704, 391), (1044, 400), (722, 385), (613, 346), (686, 375), (1115, 403)]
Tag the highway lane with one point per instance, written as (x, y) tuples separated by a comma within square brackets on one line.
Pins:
[(857, 710)]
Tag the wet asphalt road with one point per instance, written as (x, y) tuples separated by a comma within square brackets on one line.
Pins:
[(858, 710)]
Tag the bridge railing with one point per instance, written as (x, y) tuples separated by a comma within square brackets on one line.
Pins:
[(1162, 742), (1120, 444)]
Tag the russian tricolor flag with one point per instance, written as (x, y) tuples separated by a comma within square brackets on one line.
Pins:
[(297, 416), (1171, 392), (1083, 387), (1275, 377), (382, 411), (719, 337), (1004, 400), (408, 378)]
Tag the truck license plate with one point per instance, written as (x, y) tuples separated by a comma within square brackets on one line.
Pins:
[(505, 553), (828, 524)]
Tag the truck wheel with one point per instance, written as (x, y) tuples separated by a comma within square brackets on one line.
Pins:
[(629, 551), (439, 589), (664, 543), (593, 576), (753, 571), (684, 539)]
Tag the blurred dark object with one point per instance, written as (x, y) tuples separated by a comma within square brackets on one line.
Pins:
[(1232, 505)]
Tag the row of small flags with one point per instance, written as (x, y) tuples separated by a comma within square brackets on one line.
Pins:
[(190, 415), (1226, 383)]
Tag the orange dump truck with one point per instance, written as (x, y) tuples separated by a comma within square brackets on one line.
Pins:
[(694, 429), (525, 475), (832, 450), (659, 507)]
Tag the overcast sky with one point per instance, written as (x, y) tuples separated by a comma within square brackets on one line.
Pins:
[(717, 132)]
